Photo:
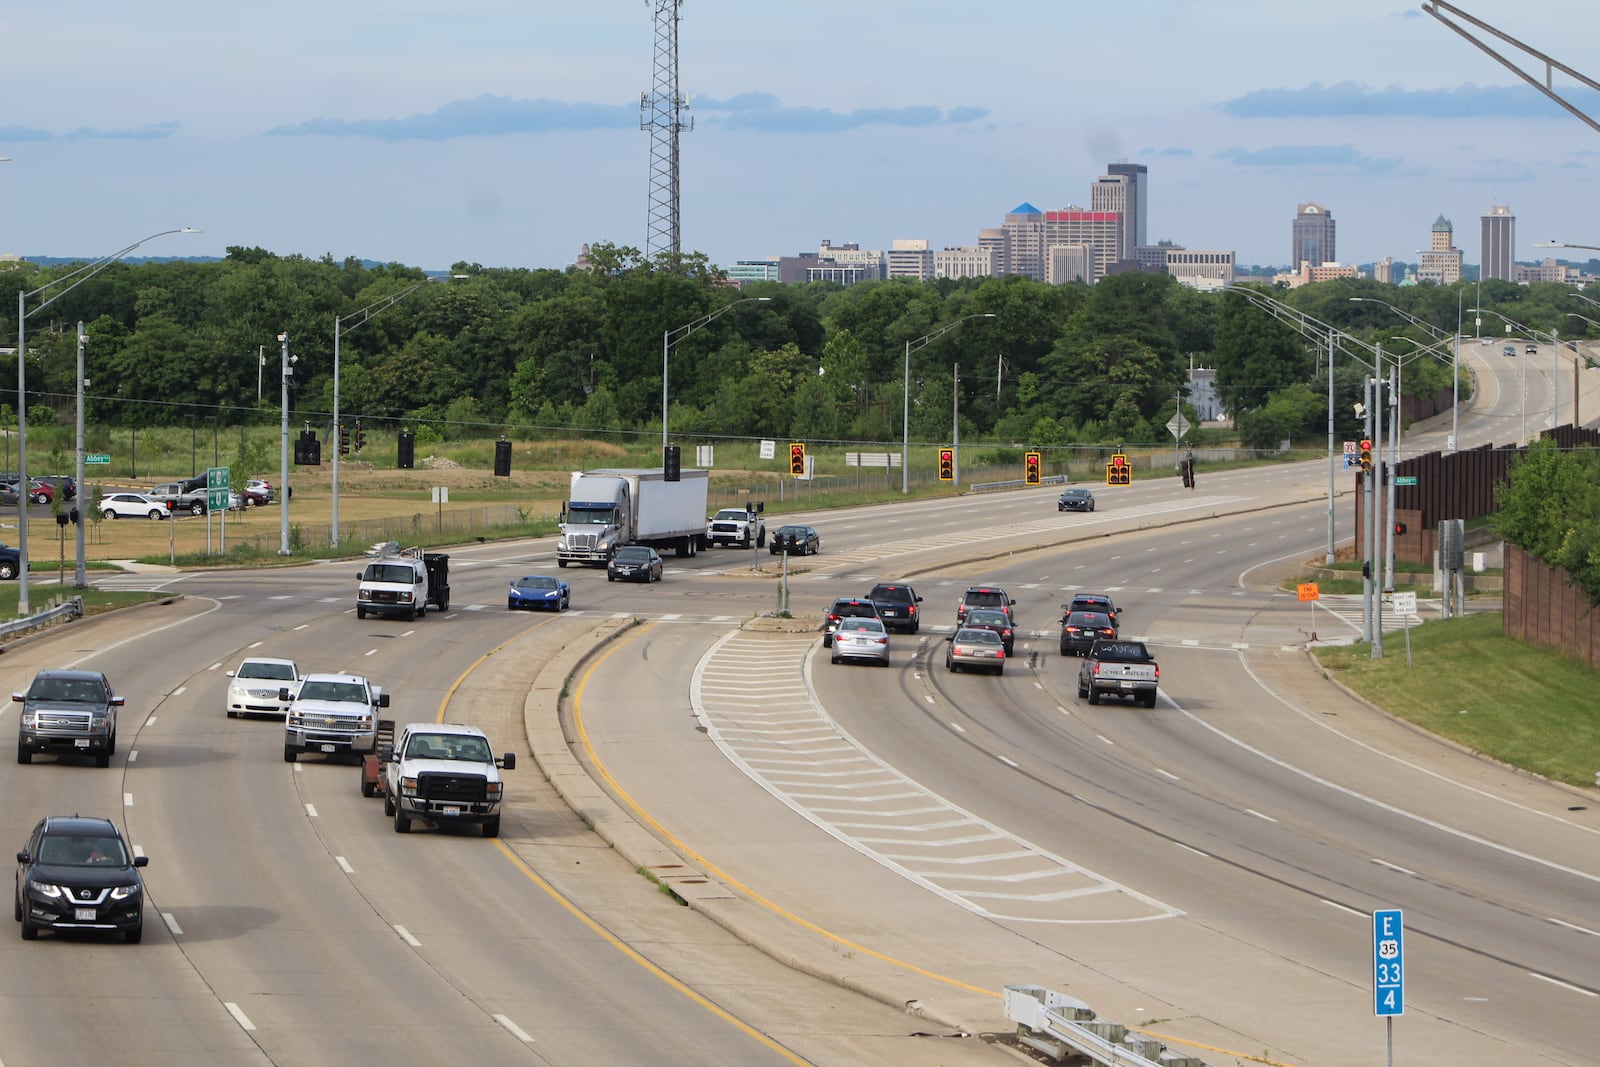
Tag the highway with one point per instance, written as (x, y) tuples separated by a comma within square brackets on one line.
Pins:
[(1205, 870)]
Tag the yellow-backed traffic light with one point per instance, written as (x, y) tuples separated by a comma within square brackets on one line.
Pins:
[(1030, 468), (1366, 457), (947, 464), (1118, 471), (797, 460)]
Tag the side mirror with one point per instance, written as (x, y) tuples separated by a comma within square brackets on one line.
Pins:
[(383, 700), (22, 857), (919, 600), (118, 702), (140, 861), (509, 761), (283, 693)]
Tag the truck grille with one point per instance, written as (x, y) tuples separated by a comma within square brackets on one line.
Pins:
[(62, 722), (582, 542), (453, 788)]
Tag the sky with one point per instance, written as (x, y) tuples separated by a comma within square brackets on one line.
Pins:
[(506, 133)]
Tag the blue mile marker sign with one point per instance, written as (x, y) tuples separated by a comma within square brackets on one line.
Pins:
[(1388, 962)]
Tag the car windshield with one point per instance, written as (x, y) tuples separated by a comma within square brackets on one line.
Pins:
[(1091, 603), (791, 531), (390, 572), (1092, 620), (251, 668), (977, 637), (985, 598), (892, 594), (633, 555), (987, 617), (71, 690), (339, 692), (82, 850), (536, 583), (868, 625), (448, 746), (735, 514)]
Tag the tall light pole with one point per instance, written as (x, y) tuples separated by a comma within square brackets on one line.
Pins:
[(905, 404), (673, 336), (341, 326), (283, 446), (77, 278), (80, 576)]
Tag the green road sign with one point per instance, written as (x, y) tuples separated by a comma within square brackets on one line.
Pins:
[(96, 457), (1405, 479)]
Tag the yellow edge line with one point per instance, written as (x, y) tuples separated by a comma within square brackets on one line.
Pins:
[(577, 913)]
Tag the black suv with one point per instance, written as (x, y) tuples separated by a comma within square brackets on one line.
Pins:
[(847, 607), (77, 873), (897, 606), (986, 596), (68, 713)]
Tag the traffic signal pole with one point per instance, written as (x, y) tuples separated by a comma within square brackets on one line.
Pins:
[(1366, 524), (1376, 497)]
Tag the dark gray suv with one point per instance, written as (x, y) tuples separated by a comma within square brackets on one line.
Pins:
[(69, 713)]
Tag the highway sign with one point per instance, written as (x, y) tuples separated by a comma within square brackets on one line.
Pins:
[(217, 489), (1388, 962), (1404, 603), (1178, 425), (1405, 479), (96, 457), (1309, 591)]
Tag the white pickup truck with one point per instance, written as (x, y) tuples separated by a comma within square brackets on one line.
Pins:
[(444, 773), (737, 526), (332, 713)]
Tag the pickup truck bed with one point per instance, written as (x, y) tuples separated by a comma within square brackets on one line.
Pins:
[(1120, 669)]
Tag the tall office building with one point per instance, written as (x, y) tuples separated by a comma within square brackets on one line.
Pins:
[(1137, 211), (1313, 237), (1441, 263), (1024, 227), (1099, 230), (1498, 252)]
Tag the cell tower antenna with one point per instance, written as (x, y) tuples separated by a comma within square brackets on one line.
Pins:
[(661, 111)]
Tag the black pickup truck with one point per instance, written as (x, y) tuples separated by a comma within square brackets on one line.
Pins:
[(1118, 668)]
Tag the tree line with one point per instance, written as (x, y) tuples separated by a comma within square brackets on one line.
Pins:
[(531, 352)]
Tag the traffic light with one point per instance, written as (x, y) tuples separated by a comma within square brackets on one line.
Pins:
[(361, 436), (1366, 457), (307, 449), (1119, 471), (947, 464), (1399, 529), (344, 440), (502, 458), (407, 455), (1030, 468), (672, 464), (797, 460)]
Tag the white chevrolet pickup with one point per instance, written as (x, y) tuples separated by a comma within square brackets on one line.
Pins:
[(737, 526), (444, 773), (332, 713)]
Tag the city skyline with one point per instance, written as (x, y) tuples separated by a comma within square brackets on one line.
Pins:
[(491, 133)]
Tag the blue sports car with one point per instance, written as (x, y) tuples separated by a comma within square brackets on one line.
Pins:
[(539, 591)]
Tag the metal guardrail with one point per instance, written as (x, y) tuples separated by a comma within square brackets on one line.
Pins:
[(72, 609), (1064, 1027), (1018, 483)]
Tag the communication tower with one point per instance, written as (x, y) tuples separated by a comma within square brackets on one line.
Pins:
[(661, 111)]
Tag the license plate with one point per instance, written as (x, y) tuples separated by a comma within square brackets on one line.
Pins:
[(330, 748), (1127, 685), (450, 809), (81, 742), (83, 915)]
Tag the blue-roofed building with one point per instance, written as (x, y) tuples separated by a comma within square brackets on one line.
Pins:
[(1024, 229)]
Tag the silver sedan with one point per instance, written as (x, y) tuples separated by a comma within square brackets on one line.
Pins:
[(861, 638)]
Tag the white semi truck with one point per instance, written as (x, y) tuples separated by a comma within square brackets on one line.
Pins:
[(606, 509)]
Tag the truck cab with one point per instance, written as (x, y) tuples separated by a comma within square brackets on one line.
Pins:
[(443, 773)]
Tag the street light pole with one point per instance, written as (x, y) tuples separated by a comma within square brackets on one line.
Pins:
[(283, 447), (905, 403), (672, 337), (80, 577), (82, 274)]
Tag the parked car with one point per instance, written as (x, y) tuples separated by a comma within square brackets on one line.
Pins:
[(992, 619), (979, 649), (78, 873), (256, 687), (1092, 602), (1075, 500), (10, 562), (66, 488), (1081, 629), (897, 606), (38, 493), (847, 607), (539, 591), (986, 596), (132, 506), (634, 563), (257, 491), (795, 541), (861, 638)]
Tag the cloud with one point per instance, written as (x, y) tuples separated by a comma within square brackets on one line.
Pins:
[(1326, 156), (1349, 99), (495, 116), (153, 132)]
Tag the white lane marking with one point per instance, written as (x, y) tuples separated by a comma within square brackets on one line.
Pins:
[(344, 865), (1257, 814), (1168, 774), (172, 923), (311, 810), (1393, 866), (1009, 762), (370, 651), (214, 666), (1574, 926), (127, 800), (138, 850), (150, 721), (255, 644), (1563, 985), (405, 935), (178, 692), (1345, 908), (133, 756), (515, 1030), (239, 1016), (958, 728)]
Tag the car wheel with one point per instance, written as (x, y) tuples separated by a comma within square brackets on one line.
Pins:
[(402, 821), (561, 563), (1150, 701), (1091, 507), (197, 508), (40, 498), (491, 827), (8, 570), (102, 759), (16, 903), (24, 755), (157, 513), (566, 602), (111, 746), (361, 612), (368, 789), (288, 754), (134, 934), (411, 614), (1094, 695), (388, 803), (107, 513), (611, 577), (1000, 669), (30, 932), (1082, 692)]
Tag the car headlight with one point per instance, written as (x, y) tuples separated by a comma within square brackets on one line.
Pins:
[(44, 889), (97, 722), (408, 787), (29, 719), (494, 789), (123, 892)]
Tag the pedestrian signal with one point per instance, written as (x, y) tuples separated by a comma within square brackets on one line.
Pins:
[(1030, 468), (797, 460), (1399, 529), (947, 464)]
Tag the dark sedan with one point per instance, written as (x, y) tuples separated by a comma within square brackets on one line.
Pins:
[(991, 619), (539, 591), (1075, 500), (635, 563), (795, 541), (1081, 629)]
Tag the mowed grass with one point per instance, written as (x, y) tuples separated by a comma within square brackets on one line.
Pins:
[(1526, 706)]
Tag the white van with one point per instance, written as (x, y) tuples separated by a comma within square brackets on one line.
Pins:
[(403, 583)]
